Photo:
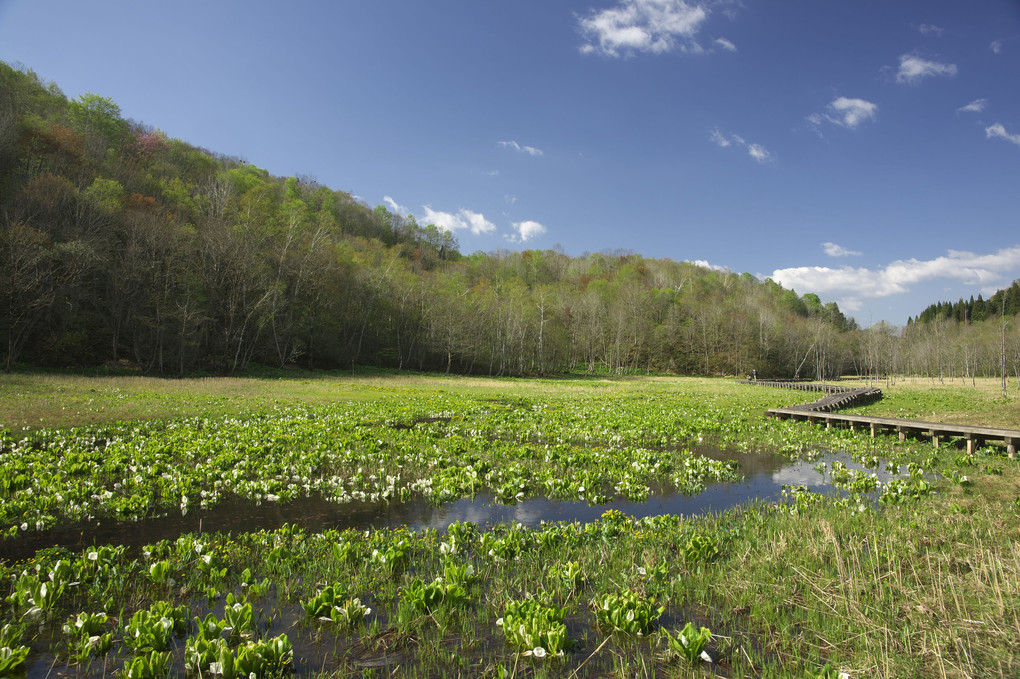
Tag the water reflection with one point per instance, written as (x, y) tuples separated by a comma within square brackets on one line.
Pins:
[(764, 477)]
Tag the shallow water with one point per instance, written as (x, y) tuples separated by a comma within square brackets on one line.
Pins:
[(764, 478)]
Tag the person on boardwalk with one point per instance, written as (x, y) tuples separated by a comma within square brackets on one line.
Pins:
[(754, 375)]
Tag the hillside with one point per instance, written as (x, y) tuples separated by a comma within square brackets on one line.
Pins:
[(124, 247)]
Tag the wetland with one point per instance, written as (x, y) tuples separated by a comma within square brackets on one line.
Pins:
[(442, 528)]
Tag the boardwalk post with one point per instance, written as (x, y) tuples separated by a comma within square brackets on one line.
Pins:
[(1011, 448), (934, 439)]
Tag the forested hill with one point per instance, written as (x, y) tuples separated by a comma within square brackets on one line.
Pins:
[(123, 246), (1005, 301)]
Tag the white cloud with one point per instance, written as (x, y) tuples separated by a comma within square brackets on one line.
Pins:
[(525, 231), (995, 46), (474, 222), (705, 265), (853, 284), (444, 220), (833, 250), (395, 207), (846, 112), (530, 150), (656, 26), (913, 69), (975, 106), (931, 29), (756, 151), (719, 138), (852, 112), (997, 130), (725, 44), (477, 222)]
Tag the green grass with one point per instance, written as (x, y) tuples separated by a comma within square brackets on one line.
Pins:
[(33, 400), (976, 402)]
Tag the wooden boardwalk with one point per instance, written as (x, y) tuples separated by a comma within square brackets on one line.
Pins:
[(842, 397)]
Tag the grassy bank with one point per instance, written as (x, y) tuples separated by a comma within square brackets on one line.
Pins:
[(977, 402), (916, 577)]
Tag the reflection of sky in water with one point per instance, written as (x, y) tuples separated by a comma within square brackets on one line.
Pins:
[(764, 477), (804, 473), (799, 475)]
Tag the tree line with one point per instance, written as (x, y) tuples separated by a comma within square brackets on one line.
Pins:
[(1004, 302), (122, 245)]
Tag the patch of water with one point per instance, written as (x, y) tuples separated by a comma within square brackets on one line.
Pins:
[(764, 478)]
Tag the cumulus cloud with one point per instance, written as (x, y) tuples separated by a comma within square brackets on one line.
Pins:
[(725, 44), (931, 30), (845, 112), (833, 250), (530, 150), (997, 130), (995, 46), (756, 151), (975, 106), (525, 231), (853, 284), (914, 69), (477, 222), (474, 222), (656, 26)]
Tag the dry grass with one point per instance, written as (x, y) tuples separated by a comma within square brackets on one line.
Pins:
[(934, 593)]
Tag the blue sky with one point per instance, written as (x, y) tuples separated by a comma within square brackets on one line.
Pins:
[(866, 151)]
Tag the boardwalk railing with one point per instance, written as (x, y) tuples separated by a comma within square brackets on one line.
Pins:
[(843, 397)]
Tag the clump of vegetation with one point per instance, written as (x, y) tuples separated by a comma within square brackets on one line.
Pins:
[(530, 625), (689, 643), (627, 612)]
